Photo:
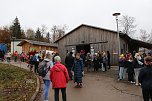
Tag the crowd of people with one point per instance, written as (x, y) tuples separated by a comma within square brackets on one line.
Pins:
[(138, 66), (96, 61), (139, 69)]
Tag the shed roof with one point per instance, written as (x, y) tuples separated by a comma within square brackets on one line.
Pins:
[(122, 35), (37, 43)]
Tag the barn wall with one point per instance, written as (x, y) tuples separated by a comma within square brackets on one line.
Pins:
[(28, 47), (88, 34)]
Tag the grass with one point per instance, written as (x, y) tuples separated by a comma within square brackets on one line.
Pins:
[(16, 84)]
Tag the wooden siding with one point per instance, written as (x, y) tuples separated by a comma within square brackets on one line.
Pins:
[(88, 34), (28, 47)]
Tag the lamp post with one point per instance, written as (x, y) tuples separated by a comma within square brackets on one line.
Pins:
[(118, 39)]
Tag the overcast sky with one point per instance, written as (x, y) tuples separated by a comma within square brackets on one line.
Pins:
[(34, 13)]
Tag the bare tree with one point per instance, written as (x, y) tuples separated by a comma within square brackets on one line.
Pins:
[(150, 37), (143, 35), (30, 34), (58, 31), (43, 30), (128, 25)]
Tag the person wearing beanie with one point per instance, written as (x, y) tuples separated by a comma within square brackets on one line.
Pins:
[(122, 70)]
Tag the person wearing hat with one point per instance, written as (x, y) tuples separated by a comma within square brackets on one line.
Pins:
[(122, 70), (46, 79), (145, 78)]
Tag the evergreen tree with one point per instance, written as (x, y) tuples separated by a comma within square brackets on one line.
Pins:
[(16, 29), (38, 35)]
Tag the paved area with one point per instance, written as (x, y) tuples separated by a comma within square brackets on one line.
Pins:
[(99, 86)]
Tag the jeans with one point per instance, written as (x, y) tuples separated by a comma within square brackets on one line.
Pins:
[(137, 70), (56, 94), (46, 88), (15, 58), (122, 73), (105, 66)]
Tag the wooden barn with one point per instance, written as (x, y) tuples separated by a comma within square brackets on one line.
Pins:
[(28, 45), (97, 39)]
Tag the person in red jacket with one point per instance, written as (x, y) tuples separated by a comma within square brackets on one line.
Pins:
[(59, 77)]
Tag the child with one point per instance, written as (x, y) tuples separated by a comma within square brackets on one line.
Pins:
[(145, 78)]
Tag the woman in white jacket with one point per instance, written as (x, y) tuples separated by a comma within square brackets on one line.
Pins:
[(46, 79)]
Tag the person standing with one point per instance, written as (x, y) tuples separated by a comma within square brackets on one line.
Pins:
[(145, 78), (46, 79), (15, 56), (78, 70), (69, 60), (138, 63), (104, 59), (96, 62), (36, 62), (8, 56), (130, 69), (59, 77), (88, 61), (108, 56), (122, 71)]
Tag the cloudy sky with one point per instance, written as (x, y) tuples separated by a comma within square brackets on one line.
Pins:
[(34, 13)]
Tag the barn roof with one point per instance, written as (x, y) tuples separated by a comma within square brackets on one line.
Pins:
[(85, 26), (125, 36), (37, 43)]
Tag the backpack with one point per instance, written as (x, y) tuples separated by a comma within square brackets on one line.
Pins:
[(42, 68), (35, 58)]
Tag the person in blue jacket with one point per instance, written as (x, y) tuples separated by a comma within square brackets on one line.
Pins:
[(77, 69), (145, 78)]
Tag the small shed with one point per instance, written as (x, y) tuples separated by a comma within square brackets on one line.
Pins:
[(14, 45), (29, 45)]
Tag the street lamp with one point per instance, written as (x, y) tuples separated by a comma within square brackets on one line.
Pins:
[(118, 39)]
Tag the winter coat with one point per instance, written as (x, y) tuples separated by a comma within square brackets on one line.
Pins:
[(59, 76), (129, 65), (145, 77), (78, 69), (96, 62), (49, 66), (104, 59), (122, 63), (69, 60), (136, 64)]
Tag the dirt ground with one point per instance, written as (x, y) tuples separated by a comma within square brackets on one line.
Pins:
[(102, 86)]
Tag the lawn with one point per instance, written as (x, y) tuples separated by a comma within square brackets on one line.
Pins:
[(16, 84)]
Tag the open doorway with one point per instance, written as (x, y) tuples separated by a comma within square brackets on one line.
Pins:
[(83, 47)]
